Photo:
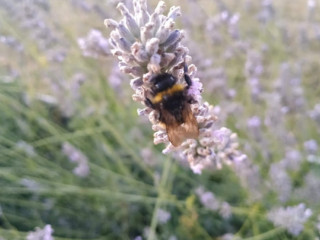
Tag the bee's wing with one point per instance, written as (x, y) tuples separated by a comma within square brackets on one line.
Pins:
[(190, 123), (177, 133)]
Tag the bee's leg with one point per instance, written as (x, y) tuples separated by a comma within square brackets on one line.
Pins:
[(148, 103), (187, 77), (191, 100)]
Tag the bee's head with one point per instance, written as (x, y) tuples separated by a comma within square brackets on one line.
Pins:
[(162, 82)]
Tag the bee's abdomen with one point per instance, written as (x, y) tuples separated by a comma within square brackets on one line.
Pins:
[(174, 105)]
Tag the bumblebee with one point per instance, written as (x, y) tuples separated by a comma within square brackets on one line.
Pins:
[(172, 102)]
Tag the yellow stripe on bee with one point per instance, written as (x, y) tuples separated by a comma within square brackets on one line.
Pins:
[(175, 88)]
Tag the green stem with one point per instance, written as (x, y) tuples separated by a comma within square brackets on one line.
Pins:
[(161, 191), (267, 235)]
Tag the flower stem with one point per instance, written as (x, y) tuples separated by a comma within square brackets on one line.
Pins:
[(161, 190)]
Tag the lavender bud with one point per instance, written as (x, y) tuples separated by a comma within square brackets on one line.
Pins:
[(147, 32), (129, 20), (164, 30), (139, 53), (136, 82), (114, 35), (160, 8), (174, 12), (143, 17), (166, 59), (112, 43), (124, 45), (154, 18), (153, 117), (116, 52), (110, 23), (152, 46), (137, 98), (173, 37), (123, 9), (154, 65), (137, 71), (124, 32), (143, 112)]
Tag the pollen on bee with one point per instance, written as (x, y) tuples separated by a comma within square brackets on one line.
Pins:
[(159, 96)]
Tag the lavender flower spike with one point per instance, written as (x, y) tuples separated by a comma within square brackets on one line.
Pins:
[(41, 234), (292, 218), (94, 45), (147, 44)]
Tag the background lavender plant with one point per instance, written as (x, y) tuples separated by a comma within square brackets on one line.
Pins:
[(65, 105)]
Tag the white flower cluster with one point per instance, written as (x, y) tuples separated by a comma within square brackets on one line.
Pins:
[(76, 156), (94, 45), (280, 180), (209, 201), (163, 216), (41, 234), (230, 236), (147, 44), (291, 218), (315, 114)]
